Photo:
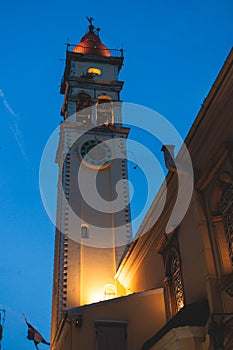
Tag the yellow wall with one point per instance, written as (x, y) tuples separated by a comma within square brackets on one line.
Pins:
[(143, 312)]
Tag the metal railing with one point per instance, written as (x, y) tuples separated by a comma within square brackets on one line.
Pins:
[(113, 52)]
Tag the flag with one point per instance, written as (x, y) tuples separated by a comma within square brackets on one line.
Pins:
[(34, 335)]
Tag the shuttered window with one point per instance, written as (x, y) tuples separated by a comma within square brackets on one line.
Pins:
[(111, 335)]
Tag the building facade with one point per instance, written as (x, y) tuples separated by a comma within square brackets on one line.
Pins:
[(91, 234), (167, 290)]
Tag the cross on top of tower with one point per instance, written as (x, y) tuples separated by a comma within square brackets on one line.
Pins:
[(91, 26), (90, 19)]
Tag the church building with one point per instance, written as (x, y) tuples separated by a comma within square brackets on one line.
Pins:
[(163, 289)]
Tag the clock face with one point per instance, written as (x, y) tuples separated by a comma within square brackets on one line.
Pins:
[(95, 153)]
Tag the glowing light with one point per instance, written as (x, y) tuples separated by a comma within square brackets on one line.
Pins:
[(180, 305), (94, 71), (94, 297), (104, 97), (110, 291)]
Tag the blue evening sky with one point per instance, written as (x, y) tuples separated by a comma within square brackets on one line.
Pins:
[(174, 51)]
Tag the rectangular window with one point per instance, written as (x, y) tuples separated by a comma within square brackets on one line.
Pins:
[(111, 335), (84, 231)]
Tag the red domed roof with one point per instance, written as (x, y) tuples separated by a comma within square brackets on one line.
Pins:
[(90, 44)]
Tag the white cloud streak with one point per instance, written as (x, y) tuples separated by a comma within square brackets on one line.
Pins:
[(6, 104), (14, 127)]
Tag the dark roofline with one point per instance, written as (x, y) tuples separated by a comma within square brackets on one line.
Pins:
[(218, 82), (193, 315), (79, 309)]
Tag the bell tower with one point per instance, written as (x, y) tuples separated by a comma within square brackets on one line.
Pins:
[(93, 214)]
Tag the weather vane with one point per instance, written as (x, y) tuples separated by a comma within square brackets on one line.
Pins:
[(90, 20)]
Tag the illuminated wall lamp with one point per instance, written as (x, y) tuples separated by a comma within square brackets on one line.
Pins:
[(79, 321)]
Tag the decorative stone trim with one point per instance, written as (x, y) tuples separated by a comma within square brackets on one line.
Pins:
[(181, 338), (224, 151)]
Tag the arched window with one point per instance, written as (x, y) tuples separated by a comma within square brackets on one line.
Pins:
[(226, 207), (83, 112), (104, 110), (84, 231), (173, 283), (176, 282), (94, 72), (110, 292), (83, 101)]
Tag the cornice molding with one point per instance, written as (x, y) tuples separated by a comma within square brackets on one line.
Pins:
[(173, 338), (214, 165)]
